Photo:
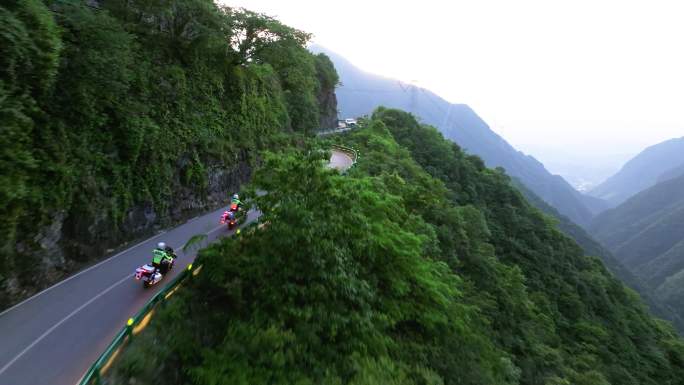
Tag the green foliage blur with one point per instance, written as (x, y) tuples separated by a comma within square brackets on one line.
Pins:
[(104, 109), (421, 266)]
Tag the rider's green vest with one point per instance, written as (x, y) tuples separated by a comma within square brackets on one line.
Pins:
[(158, 256)]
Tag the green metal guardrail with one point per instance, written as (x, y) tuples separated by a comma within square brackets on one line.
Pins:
[(134, 326), (139, 321), (330, 131)]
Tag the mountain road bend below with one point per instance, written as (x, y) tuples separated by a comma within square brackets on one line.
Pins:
[(340, 160), (53, 337)]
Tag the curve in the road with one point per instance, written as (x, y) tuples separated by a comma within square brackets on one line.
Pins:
[(53, 337), (340, 160)]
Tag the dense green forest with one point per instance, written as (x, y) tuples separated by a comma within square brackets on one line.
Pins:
[(420, 266), (645, 233), (634, 280), (126, 116)]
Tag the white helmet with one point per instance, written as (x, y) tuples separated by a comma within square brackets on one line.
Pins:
[(235, 196), (161, 245)]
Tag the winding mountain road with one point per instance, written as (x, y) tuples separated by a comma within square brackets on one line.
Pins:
[(53, 337), (340, 160)]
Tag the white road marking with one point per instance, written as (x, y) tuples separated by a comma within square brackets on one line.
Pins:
[(90, 268), (79, 273), (55, 326), (73, 313), (217, 228)]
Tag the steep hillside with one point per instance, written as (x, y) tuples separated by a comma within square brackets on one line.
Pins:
[(646, 235), (360, 93), (643, 171), (421, 266), (671, 173), (119, 120), (645, 225), (593, 247)]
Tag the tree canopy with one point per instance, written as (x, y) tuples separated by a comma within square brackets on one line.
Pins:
[(421, 266)]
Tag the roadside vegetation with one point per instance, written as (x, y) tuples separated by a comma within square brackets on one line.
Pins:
[(128, 116), (421, 266)]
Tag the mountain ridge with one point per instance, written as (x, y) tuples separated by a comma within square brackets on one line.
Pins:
[(655, 163), (595, 248), (361, 92), (644, 233), (671, 173)]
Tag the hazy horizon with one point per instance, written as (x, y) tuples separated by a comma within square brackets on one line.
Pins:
[(576, 76)]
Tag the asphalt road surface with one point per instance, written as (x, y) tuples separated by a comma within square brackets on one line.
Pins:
[(340, 160), (53, 337)]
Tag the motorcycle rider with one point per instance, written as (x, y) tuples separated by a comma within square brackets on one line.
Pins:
[(235, 203), (162, 257)]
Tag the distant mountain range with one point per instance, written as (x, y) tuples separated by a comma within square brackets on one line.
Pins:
[(656, 163), (646, 233), (361, 92)]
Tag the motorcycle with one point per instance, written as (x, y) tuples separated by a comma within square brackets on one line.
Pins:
[(147, 274), (230, 221), (151, 276)]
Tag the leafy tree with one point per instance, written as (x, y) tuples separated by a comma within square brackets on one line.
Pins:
[(29, 54), (566, 303)]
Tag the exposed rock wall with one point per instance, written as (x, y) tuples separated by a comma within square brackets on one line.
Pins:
[(327, 100), (75, 239)]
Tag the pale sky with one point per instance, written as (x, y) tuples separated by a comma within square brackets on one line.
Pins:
[(580, 78)]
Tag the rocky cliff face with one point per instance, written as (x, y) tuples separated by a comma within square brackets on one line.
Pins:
[(327, 100), (72, 240), (328, 79)]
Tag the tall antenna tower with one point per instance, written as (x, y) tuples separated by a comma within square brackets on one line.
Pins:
[(412, 89)]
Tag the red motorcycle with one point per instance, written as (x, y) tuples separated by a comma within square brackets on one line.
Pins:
[(229, 218)]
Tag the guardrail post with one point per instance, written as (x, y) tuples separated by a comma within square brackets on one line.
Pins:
[(188, 271), (129, 327)]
